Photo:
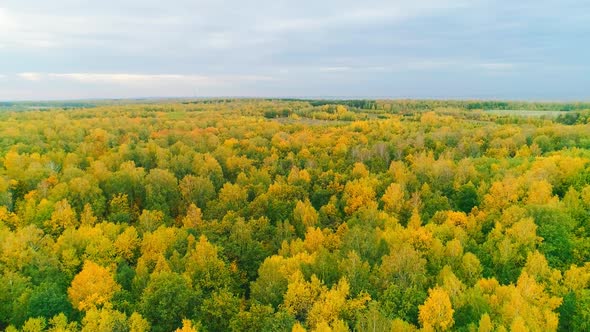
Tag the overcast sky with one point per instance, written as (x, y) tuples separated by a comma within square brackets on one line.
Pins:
[(506, 49)]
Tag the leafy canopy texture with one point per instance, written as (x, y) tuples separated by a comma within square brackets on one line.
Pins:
[(93, 287), (294, 215), (437, 311)]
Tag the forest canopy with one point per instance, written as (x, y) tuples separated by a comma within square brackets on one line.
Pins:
[(295, 215)]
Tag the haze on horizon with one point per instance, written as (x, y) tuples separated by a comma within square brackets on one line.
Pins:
[(76, 49)]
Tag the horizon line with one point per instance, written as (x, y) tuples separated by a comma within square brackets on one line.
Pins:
[(303, 98)]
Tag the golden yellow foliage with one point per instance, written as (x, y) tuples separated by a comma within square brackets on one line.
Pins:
[(541, 192), (62, 217), (9, 218), (502, 194), (359, 194), (437, 311), (93, 287), (34, 325), (359, 170), (485, 324), (187, 326), (193, 218), (415, 221), (332, 303), (305, 214), (314, 239), (87, 217), (137, 323), (127, 243), (298, 328), (393, 199), (399, 325)]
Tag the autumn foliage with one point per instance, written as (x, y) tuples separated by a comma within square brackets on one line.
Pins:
[(294, 215)]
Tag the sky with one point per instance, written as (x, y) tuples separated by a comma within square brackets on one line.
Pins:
[(451, 49)]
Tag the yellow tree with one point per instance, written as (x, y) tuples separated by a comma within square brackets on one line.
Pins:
[(87, 217), (34, 325), (305, 214), (405, 266), (528, 301), (187, 326), (314, 239), (59, 323), (502, 194), (540, 192), (298, 328), (359, 170), (119, 210), (232, 197), (93, 287), (150, 220), (437, 311), (127, 243), (485, 324), (63, 217), (104, 320), (359, 194), (334, 303), (137, 323), (298, 177), (205, 268), (301, 295), (8, 217), (193, 218), (415, 221), (393, 199)]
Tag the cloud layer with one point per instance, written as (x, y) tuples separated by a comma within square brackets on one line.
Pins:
[(139, 79), (422, 48)]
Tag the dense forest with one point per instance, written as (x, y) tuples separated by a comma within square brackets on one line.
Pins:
[(295, 215)]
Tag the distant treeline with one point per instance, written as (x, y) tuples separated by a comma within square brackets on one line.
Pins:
[(362, 104), (388, 105), (423, 105), (47, 104)]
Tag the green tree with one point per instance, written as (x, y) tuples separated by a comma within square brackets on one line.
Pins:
[(167, 300), (466, 198), (219, 310), (48, 300), (161, 188)]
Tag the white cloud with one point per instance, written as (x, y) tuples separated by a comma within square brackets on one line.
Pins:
[(424, 64), (201, 25), (335, 69), (30, 76), (82, 48), (497, 66), (431, 64), (22, 29), (142, 79), (27, 31), (337, 14), (125, 78)]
